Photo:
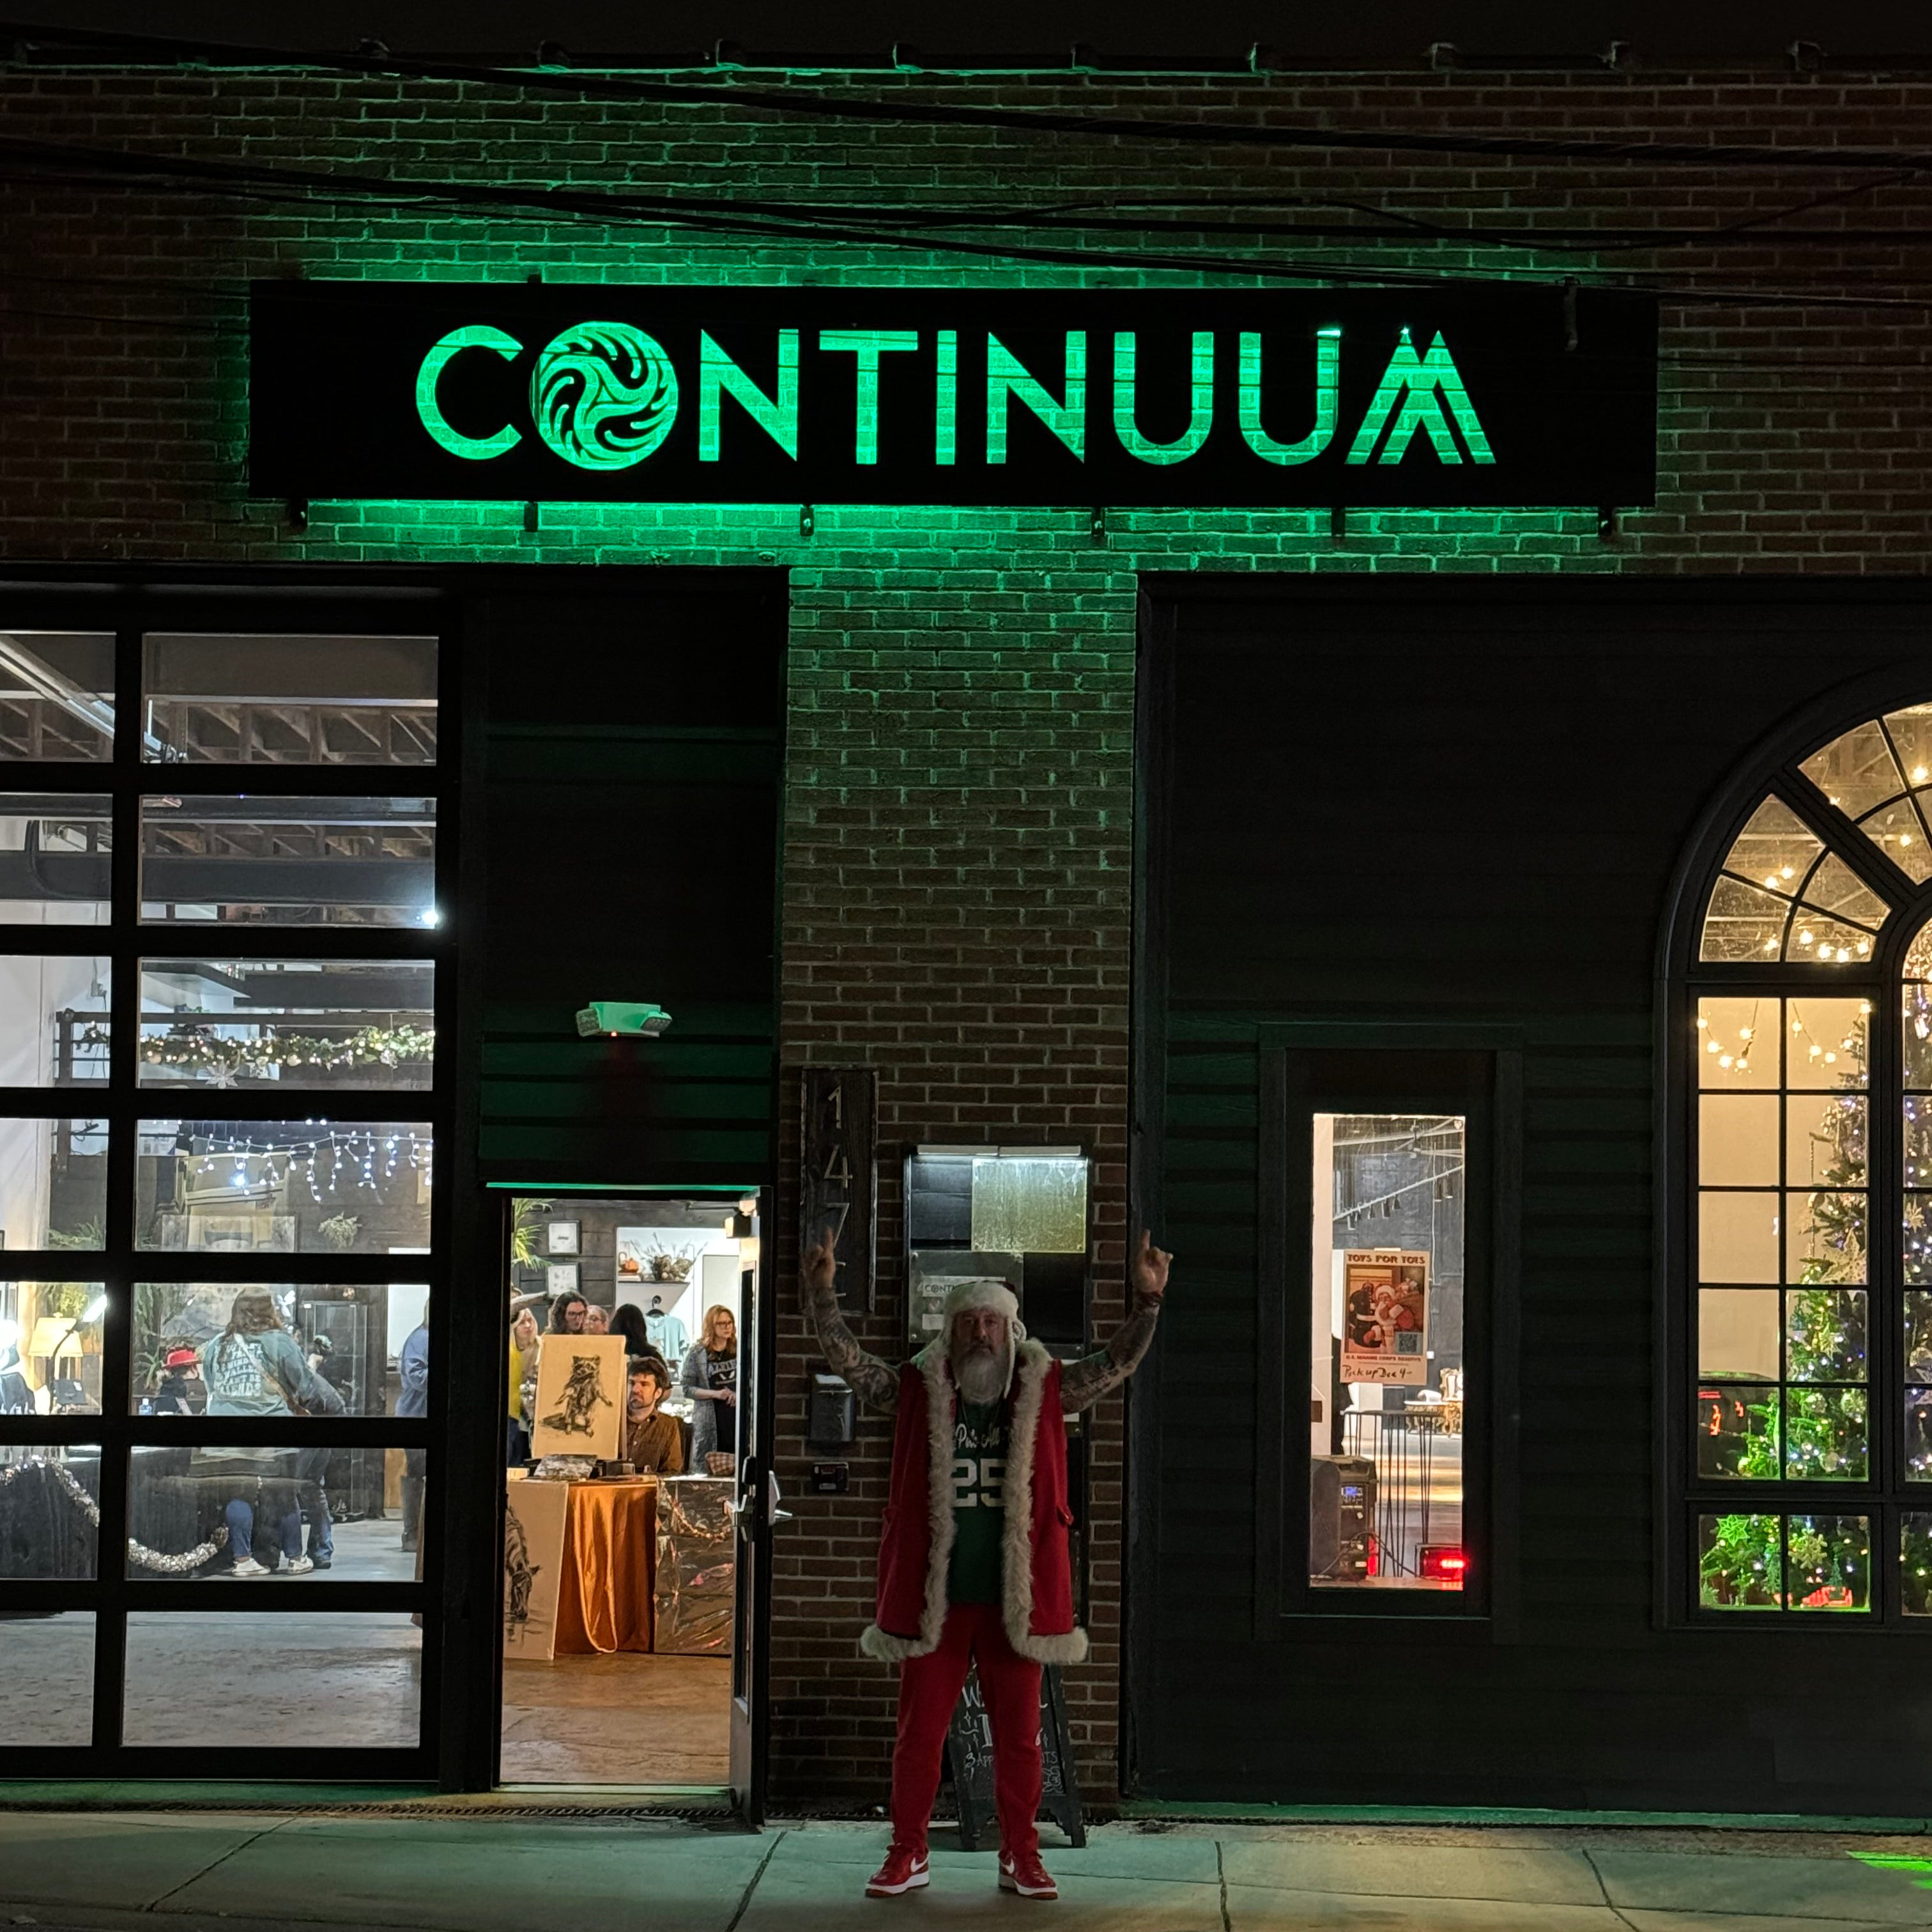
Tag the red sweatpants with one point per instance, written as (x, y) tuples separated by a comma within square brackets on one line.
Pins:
[(929, 1688)]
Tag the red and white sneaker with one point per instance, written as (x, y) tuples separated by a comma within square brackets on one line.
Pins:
[(903, 1870), (1027, 1876)]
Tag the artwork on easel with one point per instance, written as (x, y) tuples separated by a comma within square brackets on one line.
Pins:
[(581, 1394), (533, 1524)]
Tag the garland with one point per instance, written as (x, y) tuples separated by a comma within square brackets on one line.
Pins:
[(138, 1553), (198, 1051)]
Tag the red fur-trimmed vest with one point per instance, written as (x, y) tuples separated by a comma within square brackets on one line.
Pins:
[(916, 1544)]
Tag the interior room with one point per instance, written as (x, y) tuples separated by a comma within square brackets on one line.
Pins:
[(619, 1571)]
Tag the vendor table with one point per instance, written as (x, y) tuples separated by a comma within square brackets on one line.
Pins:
[(610, 1567)]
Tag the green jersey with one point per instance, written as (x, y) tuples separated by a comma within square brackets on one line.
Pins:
[(979, 1502)]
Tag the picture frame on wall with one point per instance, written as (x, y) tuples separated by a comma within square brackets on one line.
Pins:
[(560, 1278), (560, 1237)]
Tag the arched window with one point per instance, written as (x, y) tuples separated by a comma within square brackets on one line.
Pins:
[(1807, 1346)]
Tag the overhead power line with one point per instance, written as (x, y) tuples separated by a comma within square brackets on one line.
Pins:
[(799, 104)]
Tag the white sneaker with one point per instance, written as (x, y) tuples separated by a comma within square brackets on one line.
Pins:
[(299, 1566), (248, 1567)]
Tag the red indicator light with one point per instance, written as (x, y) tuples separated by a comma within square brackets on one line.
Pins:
[(1443, 1562)]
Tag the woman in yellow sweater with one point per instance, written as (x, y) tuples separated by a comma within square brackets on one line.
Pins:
[(523, 1347)]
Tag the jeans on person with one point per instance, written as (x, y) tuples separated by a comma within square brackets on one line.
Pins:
[(929, 1688), (518, 1446), (240, 1517), (313, 1469)]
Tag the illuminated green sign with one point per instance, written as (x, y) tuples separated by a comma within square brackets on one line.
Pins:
[(1449, 396)]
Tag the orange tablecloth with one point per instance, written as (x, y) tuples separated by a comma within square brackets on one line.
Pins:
[(609, 1564)]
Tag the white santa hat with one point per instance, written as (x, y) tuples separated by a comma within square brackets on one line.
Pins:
[(987, 1291)]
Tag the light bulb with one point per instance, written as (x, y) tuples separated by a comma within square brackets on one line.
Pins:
[(1919, 774), (1702, 1023), (1831, 1059), (1723, 1059), (1710, 1046), (1743, 1033), (1804, 937), (1797, 1026)]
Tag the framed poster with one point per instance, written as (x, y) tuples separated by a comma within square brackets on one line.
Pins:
[(533, 1523), (560, 1278), (837, 1185), (560, 1237), (1385, 1316), (580, 1395)]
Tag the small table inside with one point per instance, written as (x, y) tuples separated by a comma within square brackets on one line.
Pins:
[(610, 1567)]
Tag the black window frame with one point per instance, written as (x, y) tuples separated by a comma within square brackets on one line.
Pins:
[(1884, 1496), (1474, 1071), (129, 610)]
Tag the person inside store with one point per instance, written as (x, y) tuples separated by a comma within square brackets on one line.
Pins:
[(524, 1346), (566, 1314), (710, 1379), (255, 1367), (181, 1390), (653, 1443), (990, 1405), (413, 1365), (596, 1318)]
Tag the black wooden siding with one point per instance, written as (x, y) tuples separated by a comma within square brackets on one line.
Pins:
[(634, 744), (1452, 802)]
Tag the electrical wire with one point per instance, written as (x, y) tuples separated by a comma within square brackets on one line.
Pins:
[(178, 51)]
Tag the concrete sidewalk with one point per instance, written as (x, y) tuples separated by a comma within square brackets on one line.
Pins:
[(105, 1871)]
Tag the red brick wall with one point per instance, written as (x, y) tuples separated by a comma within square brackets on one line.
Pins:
[(959, 802)]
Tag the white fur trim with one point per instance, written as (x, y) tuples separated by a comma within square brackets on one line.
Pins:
[(1016, 1552), (981, 1292)]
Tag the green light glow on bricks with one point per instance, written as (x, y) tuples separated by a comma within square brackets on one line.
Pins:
[(1430, 381), (718, 375), (474, 335), (1327, 379), (1201, 407), (1006, 377), (867, 345)]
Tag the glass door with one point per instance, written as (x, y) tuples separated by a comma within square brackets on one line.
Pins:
[(760, 1510)]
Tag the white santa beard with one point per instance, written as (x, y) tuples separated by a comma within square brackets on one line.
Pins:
[(980, 1375)]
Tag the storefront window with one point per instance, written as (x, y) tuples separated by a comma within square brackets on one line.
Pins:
[(53, 1183), (55, 867), (315, 700), (1386, 1309), (269, 861), (57, 695), (311, 1187), (50, 1697), (1808, 1407), (243, 1023)]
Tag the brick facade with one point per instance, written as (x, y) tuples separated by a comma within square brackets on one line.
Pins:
[(959, 801)]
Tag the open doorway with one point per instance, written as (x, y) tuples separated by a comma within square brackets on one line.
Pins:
[(626, 1415)]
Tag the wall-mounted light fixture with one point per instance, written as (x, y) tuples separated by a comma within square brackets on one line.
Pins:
[(637, 1018)]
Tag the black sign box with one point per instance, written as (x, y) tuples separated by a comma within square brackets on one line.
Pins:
[(1446, 396)]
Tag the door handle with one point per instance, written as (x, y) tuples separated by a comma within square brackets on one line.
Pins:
[(774, 1516)]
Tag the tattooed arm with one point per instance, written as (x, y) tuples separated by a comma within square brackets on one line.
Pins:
[(875, 1383), (1085, 1382)]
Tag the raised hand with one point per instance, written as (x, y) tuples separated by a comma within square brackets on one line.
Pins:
[(1147, 1271), (818, 1266)]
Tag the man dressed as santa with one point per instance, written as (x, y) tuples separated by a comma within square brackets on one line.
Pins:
[(973, 1563)]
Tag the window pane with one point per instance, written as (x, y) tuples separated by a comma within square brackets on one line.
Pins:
[(53, 1019), (1915, 1564), (1825, 1140), (289, 861), (1030, 1205), (1825, 1329), (1386, 1336), (1740, 1562), (1826, 1042), (50, 1697), (305, 1023), (1911, 731), (339, 1680), (1835, 888), (349, 1337), (1737, 1140), (53, 1183), (54, 858), (1918, 1236), (311, 700), (1775, 850), (49, 1515), (50, 1346), (313, 1512), (1737, 1334), (306, 1187), (1824, 1237), (1830, 1559), (1816, 936), (1739, 1043), (1737, 1432), (1743, 922), (56, 694), (1737, 1238), (1855, 771), (1825, 1439), (1899, 833)]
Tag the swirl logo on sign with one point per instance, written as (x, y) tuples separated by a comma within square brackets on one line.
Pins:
[(603, 395)]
